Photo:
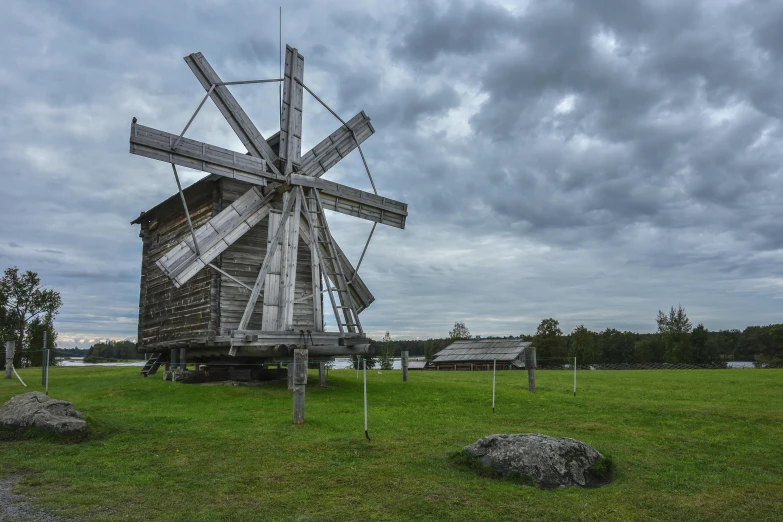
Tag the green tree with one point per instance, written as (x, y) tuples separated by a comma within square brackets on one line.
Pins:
[(582, 345), (356, 361), (676, 329), (23, 300), (649, 348), (549, 340), (460, 331), (704, 349), (387, 353)]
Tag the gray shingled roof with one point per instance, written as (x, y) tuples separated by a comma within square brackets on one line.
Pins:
[(416, 365), (481, 350)]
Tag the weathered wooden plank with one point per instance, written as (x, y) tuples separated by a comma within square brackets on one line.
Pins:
[(228, 106), (354, 202), (215, 236), (359, 291), (291, 115), (290, 252), (155, 144), (270, 317), (336, 146), (335, 196)]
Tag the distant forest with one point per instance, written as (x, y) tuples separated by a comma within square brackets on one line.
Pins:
[(112, 351), (675, 342)]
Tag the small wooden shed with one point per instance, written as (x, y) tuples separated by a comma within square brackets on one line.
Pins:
[(482, 354)]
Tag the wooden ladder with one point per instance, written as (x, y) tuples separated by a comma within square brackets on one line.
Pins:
[(345, 309), (151, 366)]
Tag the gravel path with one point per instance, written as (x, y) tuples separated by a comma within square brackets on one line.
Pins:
[(15, 507)]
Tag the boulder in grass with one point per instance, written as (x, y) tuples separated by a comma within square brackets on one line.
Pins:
[(547, 461), (37, 412)]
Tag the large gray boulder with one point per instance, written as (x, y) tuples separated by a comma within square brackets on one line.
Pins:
[(549, 461), (36, 410)]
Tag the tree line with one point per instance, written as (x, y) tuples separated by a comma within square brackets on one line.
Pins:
[(675, 341)]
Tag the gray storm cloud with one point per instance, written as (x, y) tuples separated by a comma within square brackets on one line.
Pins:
[(588, 160)]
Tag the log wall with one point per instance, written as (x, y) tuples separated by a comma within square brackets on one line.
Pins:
[(167, 313)]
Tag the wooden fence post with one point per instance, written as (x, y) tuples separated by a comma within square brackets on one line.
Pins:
[(322, 374), (9, 358), (530, 364), (404, 361), (300, 382)]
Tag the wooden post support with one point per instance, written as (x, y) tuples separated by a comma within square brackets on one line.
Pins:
[(174, 359), (530, 364), (404, 361), (290, 369), (9, 358), (322, 374), (183, 353), (300, 382)]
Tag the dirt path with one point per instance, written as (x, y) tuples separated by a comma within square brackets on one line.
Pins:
[(15, 507)]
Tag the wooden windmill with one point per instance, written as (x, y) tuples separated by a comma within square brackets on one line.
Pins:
[(235, 267)]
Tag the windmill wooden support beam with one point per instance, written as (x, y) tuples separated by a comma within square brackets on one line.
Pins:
[(235, 267)]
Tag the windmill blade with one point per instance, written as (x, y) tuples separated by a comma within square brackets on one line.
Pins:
[(291, 112), (362, 296), (231, 110), (353, 202), (156, 144), (181, 263), (338, 145)]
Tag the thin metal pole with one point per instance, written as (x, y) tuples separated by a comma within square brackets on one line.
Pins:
[(280, 56), (185, 206), (356, 270), (245, 82), (574, 376), (211, 88), (353, 134), (234, 279), (494, 371), (366, 433)]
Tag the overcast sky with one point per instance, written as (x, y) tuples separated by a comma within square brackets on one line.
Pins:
[(592, 161)]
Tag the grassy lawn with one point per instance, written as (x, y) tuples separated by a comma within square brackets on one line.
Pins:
[(687, 445)]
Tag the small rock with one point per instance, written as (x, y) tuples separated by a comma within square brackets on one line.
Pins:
[(549, 461), (37, 410)]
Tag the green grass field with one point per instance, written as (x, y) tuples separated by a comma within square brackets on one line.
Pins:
[(687, 445)]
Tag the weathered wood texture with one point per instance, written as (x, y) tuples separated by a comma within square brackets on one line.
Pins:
[(362, 297), (243, 259), (336, 146), (214, 237), (231, 110), (322, 374), (530, 363), (168, 313), (300, 382), (404, 361), (156, 144), (291, 111), (9, 358), (357, 203)]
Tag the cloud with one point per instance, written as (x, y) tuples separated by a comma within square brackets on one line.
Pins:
[(585, 160)]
